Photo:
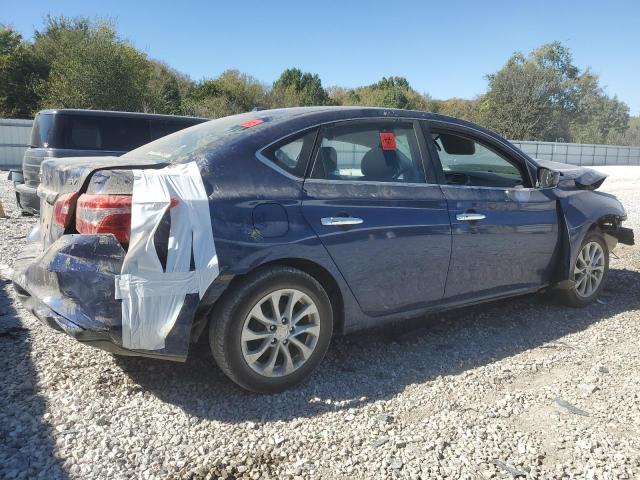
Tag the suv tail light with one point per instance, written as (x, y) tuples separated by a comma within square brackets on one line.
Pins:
[(104, 214), (63, 208)]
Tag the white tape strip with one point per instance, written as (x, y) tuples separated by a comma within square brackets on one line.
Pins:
[(152, 297)]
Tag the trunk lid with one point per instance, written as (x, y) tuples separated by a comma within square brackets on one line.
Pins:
[(69, 175)]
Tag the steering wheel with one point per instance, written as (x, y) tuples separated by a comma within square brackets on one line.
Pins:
[(457, 178)]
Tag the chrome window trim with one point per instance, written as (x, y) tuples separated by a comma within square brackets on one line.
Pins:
[(484, 135), (515, 150), (264, 159), (506, 189), (368, 182), (276, 167)]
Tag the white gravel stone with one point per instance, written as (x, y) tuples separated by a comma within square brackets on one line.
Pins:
[(455, 395)]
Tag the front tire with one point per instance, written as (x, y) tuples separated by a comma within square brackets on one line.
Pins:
[(272, 330), (589, 271)]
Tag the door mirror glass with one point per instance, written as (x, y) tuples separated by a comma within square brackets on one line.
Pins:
[(547, 178)]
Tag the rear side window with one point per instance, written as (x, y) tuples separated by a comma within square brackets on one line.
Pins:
[(373, 151), (292, 155), (42, 131)]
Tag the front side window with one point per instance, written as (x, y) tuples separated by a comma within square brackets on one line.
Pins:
[(372, 151), (468, 162)]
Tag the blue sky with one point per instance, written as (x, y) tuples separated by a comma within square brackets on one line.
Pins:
[(443, 48)]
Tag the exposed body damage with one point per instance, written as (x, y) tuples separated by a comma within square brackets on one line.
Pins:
[(582, 209), (259, 219)]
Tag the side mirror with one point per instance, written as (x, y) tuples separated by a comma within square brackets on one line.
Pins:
[(548, 178)]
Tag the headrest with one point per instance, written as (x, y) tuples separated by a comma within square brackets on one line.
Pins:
[(375, 166), (329, 157)]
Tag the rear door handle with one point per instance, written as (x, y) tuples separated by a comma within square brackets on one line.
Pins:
[(470, 217), (339, 221)]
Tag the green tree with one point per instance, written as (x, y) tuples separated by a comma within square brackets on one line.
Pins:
[(166, 90), (230, 93), (458, 108), (596, 117), (390, 92), (21, 71), (94, 69), (528, 97), (295, 88), (544, 96), (630, 137)]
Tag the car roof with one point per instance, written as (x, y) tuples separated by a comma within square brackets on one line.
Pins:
[(114, 113), (357, 111), (325, 114)]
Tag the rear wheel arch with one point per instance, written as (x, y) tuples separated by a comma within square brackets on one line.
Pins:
[(315, 270), (324, 278), (234, 313)]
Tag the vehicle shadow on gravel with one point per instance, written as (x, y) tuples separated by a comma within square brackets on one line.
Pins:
[(27, 445), (378, 364)]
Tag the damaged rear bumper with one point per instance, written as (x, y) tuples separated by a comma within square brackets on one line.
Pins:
[(70, 287)]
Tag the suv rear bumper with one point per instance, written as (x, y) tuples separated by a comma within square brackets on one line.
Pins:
[(27, 198)]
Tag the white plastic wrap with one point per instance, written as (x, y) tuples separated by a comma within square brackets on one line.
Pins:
[(152, 297)]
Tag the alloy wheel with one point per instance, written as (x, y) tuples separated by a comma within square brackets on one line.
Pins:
[(589, 269), (280, 332)]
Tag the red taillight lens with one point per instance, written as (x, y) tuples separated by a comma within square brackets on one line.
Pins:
[(63, 208), (104, 214)]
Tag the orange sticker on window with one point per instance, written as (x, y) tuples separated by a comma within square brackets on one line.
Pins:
[(388, 140), (252, 123)]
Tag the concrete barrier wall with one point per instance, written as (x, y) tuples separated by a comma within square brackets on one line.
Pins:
[(14, 139), (581, 153)]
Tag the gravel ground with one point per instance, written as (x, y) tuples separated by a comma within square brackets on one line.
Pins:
[(515, 388)]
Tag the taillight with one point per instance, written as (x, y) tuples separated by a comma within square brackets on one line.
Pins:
[(104, 214), (63, 208)]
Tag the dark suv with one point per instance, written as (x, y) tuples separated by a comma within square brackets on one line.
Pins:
[(86, 133)]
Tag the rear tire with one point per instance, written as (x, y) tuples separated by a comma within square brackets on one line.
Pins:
[(272, 330), (589, 272)]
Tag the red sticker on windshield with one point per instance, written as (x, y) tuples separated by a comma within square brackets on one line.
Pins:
[(252, 123), (388, 140)]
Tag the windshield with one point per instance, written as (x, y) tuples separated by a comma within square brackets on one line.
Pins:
[(181, 146)]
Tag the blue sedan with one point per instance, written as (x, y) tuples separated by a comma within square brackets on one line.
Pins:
[(325, 220)]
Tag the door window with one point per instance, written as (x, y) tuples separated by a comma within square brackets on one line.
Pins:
[(369, 151), (468, 162), (292, 155)]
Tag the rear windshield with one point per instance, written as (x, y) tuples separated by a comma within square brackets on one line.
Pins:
[(108, 133), (182, 146)]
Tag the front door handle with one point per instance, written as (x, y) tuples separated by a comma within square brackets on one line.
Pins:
[(340, 221), (470, 217)]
